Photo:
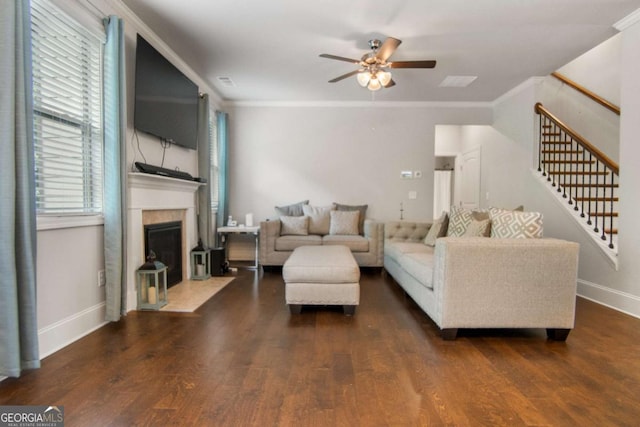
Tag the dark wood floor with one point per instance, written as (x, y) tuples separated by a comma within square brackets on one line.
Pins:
[(243, 360)]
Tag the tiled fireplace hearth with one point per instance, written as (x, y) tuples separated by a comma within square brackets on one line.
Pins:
[(156, 199)]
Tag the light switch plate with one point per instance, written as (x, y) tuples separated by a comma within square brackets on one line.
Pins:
[(413, 194)]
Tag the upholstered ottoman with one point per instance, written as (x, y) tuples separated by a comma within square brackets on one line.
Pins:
[(322, 275)]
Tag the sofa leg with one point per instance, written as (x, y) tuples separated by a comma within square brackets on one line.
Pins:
[(349, 310), (295, 308), (557, 334), (449, 334)]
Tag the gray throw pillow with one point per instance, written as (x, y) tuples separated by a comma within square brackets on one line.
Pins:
[(292, 210), (360, 208)]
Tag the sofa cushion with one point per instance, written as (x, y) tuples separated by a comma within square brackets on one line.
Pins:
[(396, 250), (319, 218), (289, 243), (360, 208), (507, 224), (294, 225), (344, 222), (355, 243), (420, 266), (460, 218), (438, 229), (291, 210)]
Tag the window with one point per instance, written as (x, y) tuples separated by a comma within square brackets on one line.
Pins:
[(67, 109), (214, 179)]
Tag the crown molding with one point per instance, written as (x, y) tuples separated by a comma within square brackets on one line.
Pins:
[(628, 20), (357, 104)]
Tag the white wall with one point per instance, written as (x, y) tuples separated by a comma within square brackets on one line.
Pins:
[(350, 155), (70, 304)]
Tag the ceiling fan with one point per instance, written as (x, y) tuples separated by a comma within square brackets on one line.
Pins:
[(373, 66)]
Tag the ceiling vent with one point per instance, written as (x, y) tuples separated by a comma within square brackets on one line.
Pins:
[(226, 81)]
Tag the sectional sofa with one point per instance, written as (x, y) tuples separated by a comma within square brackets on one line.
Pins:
[(485, 282)]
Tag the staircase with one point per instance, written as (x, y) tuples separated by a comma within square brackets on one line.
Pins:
[(581, 174)]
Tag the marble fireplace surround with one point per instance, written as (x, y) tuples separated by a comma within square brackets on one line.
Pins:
[(154, 199)]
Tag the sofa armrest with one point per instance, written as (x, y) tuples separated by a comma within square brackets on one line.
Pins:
[(269, 232), (374, 232), (484, 282)]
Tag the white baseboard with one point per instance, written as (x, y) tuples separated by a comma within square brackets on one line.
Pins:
[(617, 300), (62, 333)]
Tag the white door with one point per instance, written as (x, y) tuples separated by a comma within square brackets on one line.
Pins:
[(470, 179)]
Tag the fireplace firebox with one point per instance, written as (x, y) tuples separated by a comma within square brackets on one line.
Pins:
[(165, 240)]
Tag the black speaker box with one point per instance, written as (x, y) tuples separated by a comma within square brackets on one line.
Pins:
[(218, 264)]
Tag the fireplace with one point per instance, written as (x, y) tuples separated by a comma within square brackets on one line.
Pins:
[(165, 240)]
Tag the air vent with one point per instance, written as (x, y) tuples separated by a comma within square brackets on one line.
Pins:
[(226, 81), (457, 81)]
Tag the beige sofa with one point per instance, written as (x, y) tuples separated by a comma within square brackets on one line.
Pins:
[(367, 249), (481, 282)]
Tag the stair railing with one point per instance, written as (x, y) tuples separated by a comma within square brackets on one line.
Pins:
[(585, 176)]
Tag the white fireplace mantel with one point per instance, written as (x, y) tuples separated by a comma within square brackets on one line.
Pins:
[(156, 193)]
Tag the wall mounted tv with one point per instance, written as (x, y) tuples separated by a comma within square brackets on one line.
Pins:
[(166, 101)]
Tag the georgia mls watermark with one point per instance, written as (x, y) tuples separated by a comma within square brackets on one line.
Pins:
[(31, 416)]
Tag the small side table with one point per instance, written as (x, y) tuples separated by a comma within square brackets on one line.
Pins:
[(223, 232)]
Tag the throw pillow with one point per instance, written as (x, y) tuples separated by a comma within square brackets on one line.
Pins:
[(460, 218), (344, 222), (319, 218), (294, 225), (292, 210), (478, 228), (508, 224), (438, 229), (360, 208)]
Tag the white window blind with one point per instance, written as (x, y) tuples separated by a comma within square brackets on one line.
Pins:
[(68, 120), (215, 164)]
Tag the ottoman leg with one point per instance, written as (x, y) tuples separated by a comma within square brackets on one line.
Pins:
[(349, 310), (295, 308)]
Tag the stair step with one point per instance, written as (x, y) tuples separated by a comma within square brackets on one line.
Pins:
[(557, 142), (571, 184), (561, 152), (578, 173), (607, 214), (596, 199), (577, 162), (551, 134), (611, 230)]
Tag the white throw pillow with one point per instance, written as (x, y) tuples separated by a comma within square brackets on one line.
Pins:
[(294, 225), (344, 222), (319, 218), (460, 218)]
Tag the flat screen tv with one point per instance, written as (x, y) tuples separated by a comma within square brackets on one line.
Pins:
[(166, 101)]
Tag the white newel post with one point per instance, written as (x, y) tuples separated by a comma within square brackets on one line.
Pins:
[(157, 193)]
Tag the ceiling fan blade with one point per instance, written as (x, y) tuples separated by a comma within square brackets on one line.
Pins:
[(390, 84), (413, 64), (344, 76), (339, 58), (388, 47)]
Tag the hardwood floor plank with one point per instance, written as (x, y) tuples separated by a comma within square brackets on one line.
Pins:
[(243, 359)]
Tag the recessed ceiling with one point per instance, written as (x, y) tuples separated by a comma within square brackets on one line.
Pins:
[(269, 49)]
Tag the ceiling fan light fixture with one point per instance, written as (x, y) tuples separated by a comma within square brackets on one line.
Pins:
[(374, 84), (384, 77), (363, 78)]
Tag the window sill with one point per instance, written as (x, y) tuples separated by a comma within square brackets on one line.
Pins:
[(72, 221)]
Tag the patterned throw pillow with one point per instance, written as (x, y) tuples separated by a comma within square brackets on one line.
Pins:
[(506, 224), (319, 218), (294, 225), (438, 229), (461, 218), (291, 210), (344, 222)]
